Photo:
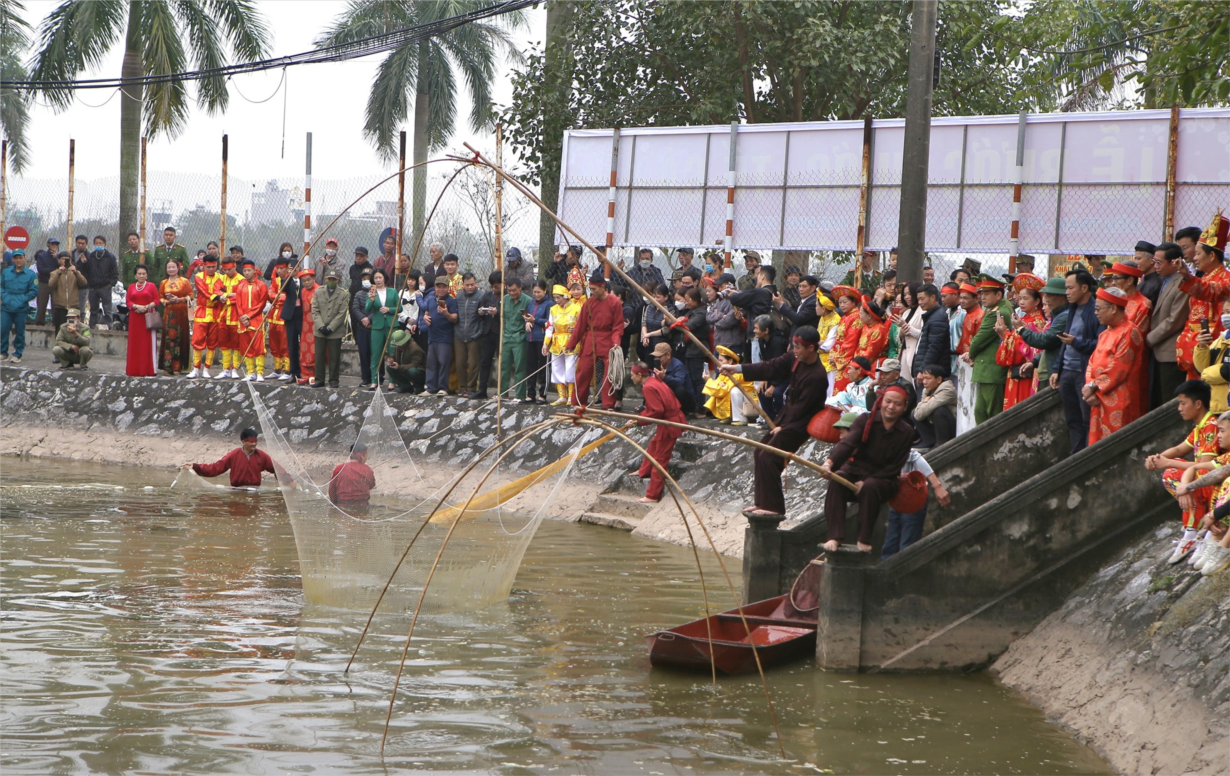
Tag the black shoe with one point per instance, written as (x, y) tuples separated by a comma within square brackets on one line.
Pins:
[(333, 385), (477, 396)]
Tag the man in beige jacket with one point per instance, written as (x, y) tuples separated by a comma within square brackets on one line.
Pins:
[(1169, 318)]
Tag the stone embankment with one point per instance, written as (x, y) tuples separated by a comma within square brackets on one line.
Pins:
[(1137, 663)]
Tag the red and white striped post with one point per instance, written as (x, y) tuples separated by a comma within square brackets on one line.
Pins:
[(1018, 180), (610, 206), (307, 202), (730, 192)]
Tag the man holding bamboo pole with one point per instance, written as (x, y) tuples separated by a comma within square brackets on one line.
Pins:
[(805, 397)]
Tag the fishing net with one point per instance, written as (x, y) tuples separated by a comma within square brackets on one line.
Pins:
[(347, 551)]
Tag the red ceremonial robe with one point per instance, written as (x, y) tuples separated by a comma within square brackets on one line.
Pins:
[(245, 469), (1207, 294), (1013, 353), (660, 402), (1140, 313), (1112, 369), (845, 348), (307, 338), (142, 341), (250, 299), (598, 329), (873, 340)]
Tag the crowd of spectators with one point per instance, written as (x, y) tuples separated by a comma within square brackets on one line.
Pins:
[(1114, 338)]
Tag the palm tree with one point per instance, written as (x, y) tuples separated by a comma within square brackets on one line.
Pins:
[(14, 107), (425, 70), (160, 37)]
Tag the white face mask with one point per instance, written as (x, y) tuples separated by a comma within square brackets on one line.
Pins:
[(1225, 321), (330, 252), (645, 264), (679, 305), (286, 254), (367, 284)]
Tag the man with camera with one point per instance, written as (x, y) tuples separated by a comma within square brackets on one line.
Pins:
[(72, 346)]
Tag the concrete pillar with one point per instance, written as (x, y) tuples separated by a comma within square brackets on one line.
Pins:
[(762, 558), (839, 632)]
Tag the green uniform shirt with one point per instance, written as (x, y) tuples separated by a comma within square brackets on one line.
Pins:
[(985, 343), (163, 254), (514, 324), (867, 284), (128, 267)]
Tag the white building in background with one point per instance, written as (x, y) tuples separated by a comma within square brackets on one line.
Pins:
[(274, 205)]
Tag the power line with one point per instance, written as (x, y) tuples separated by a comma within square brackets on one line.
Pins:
[(377, 44)]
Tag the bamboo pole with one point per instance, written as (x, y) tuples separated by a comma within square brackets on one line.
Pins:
[(499, 266), (1018, 181), (1172, 156), (307, 201), (222, 239), (610, 199), (864, 192), (401, 203), (141, 238), (521, 187), (72, 170)]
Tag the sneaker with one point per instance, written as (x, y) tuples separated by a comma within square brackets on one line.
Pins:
[(426, 393), (284, 377), (1182, 549), (66, 366), (441, 393), (260, 378), (15, 360), (205, 373), (1217, 559), (1198, 557), (4, 358), (194, 374), (738, 422), (249, 378)]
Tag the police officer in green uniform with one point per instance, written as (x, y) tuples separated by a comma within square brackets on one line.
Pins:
[(167, 251), (988, 375), (131, 258)]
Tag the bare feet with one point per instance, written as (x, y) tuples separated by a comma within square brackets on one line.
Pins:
[(831, 545), (863, 547), (647, 500), (758, 511)]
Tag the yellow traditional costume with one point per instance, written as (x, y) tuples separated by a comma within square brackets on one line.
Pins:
[(721, 388), (560, 323), (830, 319)]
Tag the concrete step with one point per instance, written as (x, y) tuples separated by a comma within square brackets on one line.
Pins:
[(622, 522), (622, 504)]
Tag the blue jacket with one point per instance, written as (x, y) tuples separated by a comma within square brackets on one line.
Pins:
[(1085, 345), (677, 378), (17, 289), (542, 314), (441, 329)]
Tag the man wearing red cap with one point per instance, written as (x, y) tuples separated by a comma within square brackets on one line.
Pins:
[(210, 303), (228, 321), (1206, 292), (1110, 389), (870, 456), (598, 329), (251, 296), (1139, 312), (988, 375), (660, 402), (968, 300), (804, 398)]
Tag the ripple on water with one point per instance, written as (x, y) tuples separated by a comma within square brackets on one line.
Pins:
[(150, 629)]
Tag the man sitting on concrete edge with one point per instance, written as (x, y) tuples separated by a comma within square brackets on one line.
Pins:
[(804, 398), (871, 456), (245, 463)]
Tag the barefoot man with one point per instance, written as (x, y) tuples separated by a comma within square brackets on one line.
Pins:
[(805, 397), (245, 463), (870, 455), (660, 402)]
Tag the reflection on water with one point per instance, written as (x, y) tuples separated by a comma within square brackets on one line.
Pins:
[(150, 630)]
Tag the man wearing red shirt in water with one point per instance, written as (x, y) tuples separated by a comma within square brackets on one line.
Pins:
[(352, 482), (245, 463)]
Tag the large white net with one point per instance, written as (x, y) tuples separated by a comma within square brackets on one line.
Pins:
[(347, 550)]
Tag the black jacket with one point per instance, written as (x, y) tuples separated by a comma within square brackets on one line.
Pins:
[(753, 302), (805, 315), (698, 325), (1085, 345), (934, 345), (101, 270), (356, 276), (291, 313)]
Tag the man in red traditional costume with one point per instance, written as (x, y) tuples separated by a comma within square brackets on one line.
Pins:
[(307, 334), (660, 402), (1126, 277), (973, 316), (599, 328), (1206, 292), (210, 300), (1110, 388), (251, 296), (278, 346), (245, 463), (1202, 446)]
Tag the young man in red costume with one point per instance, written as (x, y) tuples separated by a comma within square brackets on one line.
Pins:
[(660, 402), (1206, 292), (598, 329), (251, 295), (210, 302)]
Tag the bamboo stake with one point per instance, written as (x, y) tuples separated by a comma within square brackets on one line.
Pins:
[(401, 200), (72, 169), (499, 266), (1172, 155), (519, 186), (4, 184), (222, 239)]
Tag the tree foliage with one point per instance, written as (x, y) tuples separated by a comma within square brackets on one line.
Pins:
[(663, 63), (14, 106)]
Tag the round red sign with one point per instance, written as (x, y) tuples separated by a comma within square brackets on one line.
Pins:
[(16, 237)]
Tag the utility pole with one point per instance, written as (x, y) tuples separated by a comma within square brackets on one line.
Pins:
[(912, 225)]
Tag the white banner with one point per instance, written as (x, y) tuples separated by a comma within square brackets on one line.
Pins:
[(1093, 183)]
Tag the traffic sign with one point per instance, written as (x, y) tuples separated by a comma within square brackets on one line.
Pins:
[(16, 237)]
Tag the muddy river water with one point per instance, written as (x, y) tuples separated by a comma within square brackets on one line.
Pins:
[(150, 630)]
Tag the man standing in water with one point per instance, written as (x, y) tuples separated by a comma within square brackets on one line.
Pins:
[(245, 463), (352, 482)]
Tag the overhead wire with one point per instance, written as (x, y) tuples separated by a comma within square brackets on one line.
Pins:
[(377, 44)]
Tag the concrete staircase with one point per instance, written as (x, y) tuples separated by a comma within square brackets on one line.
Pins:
[(619, 505)]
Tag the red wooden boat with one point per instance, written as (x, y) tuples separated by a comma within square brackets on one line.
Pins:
[(780, 633)]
